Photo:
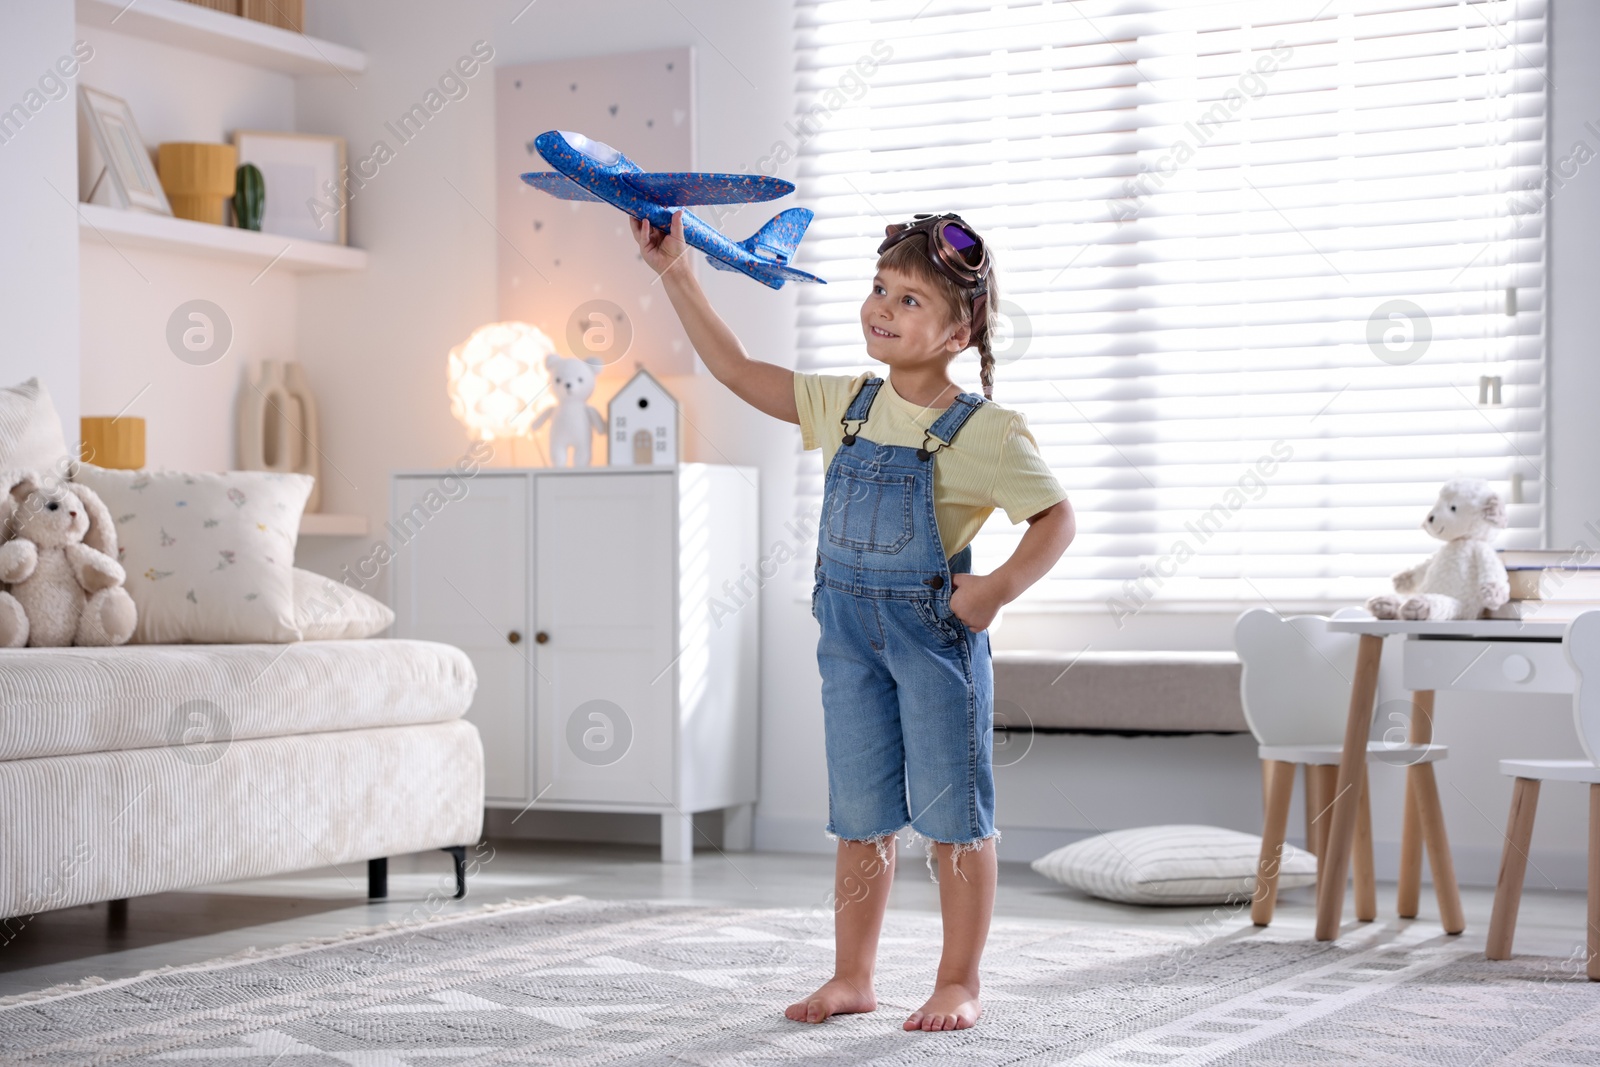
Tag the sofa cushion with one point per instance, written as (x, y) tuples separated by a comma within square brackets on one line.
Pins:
[(326, 610), (210, 557), (1120, 692), (58, 701), (30, 431)]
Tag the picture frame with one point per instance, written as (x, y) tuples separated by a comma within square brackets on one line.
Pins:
[(304, 178), (114, 166)]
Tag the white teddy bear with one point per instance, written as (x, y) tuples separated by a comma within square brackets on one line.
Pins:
[(576, 423), (60, 563), (1463, 578)]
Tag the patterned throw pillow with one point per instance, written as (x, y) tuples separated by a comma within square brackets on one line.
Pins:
[(210, 557), (1172, 865)]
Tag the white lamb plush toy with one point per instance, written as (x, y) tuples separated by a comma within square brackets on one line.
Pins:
[(1463, 578), (575, 422), (60, 563)]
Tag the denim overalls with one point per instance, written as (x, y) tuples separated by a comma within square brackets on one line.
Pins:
[(907, 688)]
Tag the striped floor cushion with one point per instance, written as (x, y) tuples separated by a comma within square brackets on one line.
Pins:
[(1171, 865)]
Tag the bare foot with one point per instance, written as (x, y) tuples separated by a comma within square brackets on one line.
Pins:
[(952, 1007), (837, 996)]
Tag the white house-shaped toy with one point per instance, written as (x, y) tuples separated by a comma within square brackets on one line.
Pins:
[(643, 420)]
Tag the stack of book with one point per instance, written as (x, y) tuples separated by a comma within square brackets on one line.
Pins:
[(1549, 586)]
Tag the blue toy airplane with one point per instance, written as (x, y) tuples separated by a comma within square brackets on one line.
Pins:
[(592, 170)]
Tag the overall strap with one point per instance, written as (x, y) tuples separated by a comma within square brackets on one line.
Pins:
[(947, 425), (859, 406)]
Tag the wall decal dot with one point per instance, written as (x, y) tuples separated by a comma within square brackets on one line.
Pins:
[(574, 86), (517, 84), (613, 109), (537, 225), (649, 122)]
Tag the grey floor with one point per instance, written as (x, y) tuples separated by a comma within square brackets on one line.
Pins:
[(204, 923)]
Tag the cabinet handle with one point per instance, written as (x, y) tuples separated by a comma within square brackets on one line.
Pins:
[(541, 637), (514, 637)]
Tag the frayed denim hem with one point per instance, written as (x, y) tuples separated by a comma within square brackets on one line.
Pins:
[(881, 841), (960, 849)]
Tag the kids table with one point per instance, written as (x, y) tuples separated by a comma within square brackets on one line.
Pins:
[(1496, 655)]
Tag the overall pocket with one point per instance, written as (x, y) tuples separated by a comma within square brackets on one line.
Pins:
[(940, 621), (869, 511)]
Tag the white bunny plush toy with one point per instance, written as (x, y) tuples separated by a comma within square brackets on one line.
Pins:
[(575, 422), (1463, 578), (60, 565)]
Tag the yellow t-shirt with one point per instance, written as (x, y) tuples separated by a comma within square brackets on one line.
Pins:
[(994, 461)]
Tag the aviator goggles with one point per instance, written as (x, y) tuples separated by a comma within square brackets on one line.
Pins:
[(954, 248)]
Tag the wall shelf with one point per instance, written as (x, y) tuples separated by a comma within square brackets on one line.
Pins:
[(318, 524), (140, 229), (219, 34)]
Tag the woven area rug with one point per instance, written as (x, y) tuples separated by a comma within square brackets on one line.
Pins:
[(577, 981)]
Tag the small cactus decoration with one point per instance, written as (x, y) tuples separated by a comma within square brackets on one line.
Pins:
[(249, 197)]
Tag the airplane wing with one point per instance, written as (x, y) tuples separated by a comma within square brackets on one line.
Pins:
[(686, 189), (560, 186)]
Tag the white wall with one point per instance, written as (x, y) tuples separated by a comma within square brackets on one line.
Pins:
[(128, 293), (38, 188)]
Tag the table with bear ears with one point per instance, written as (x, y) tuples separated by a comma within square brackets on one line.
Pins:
[(1494, 655)]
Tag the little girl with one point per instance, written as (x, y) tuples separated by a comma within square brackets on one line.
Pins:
[(907, 684)]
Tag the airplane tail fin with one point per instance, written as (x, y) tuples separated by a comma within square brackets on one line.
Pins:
[(772, 245), (776, 241)]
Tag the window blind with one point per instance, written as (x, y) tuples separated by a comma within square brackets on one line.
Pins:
[(1272, 271)]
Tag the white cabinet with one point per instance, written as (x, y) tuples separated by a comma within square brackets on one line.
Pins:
[(612, 616)]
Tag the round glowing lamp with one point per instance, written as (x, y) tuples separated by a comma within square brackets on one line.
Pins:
[(495, 376)]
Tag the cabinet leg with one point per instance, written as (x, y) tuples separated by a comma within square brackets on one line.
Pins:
[(378, 878), (738, 827), (677, 837)]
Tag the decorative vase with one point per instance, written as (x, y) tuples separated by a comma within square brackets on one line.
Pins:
[(278, 425), (197, 178), (249, 197), (115, 443)]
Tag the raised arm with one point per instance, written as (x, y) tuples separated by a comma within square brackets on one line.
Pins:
[(764, 386)]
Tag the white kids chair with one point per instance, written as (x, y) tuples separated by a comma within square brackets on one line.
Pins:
[(1295, 687), (1583, 637)]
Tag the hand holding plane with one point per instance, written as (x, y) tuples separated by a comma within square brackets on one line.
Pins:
[(586, 169)]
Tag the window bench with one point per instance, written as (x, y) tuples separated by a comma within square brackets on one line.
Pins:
[(1118, 692)]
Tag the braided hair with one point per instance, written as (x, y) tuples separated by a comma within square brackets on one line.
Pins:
[(910, 257)]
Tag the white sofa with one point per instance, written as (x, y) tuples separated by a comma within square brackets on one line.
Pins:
[(145, 768)]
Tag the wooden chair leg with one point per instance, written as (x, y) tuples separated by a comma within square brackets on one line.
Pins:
[(1420, 732), (1361, 860), (1513, 868), (1438, 845), (1594, 883), (1327, 789), (1314, 804), (1408, 897), (1280, 790)]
